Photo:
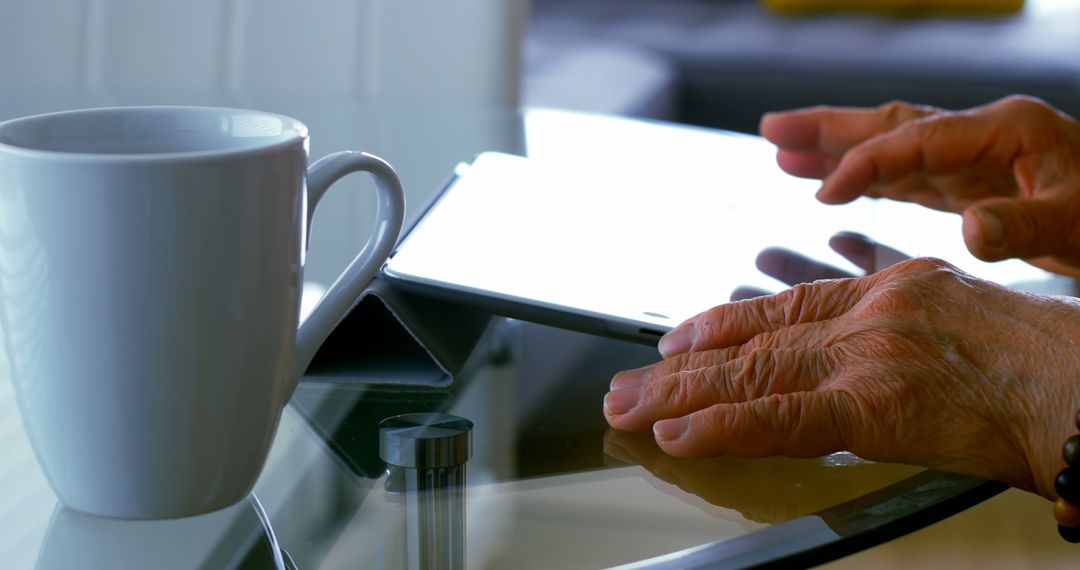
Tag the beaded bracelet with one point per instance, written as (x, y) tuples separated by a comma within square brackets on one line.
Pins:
[(1067, 485)]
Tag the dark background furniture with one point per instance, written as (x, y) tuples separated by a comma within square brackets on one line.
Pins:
[(722, 63)]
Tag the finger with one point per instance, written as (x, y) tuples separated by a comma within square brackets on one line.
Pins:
[(757, 374), (834, 130), (744, 292), (736, 323), (914, 187), (792, 267), (806, 164), (801, 424), (864, 252), (938, 145), (684, 361), (804, 335), (1000, 228)]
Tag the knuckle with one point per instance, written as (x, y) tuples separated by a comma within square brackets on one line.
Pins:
[(914, 295), (1036, 231), (893, 298), (762, 341), (709, 324), (924, 265), (753, 376), (717, 425), (1024, 106), (792, 303), (1021, 102), (669, 392), (673, 364), (761, 364), (896, 111), (936, 125)]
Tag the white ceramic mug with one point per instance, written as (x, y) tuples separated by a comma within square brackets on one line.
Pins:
[(151, 266)]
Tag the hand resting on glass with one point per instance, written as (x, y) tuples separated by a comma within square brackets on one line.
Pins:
[(918, 363), (1012, 168)]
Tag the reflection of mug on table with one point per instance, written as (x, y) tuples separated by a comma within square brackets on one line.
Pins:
[(239, 536), (151, 262)]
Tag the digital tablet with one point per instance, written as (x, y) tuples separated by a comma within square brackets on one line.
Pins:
[(632, 251)]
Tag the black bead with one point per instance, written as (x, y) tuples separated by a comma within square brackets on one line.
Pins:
[(1067, 484), (1071, 450), (1070, 534), (1078, 419)]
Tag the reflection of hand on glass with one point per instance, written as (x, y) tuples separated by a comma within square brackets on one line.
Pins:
[(918, 363), (793, 268), (768, 490), (1010, 167)]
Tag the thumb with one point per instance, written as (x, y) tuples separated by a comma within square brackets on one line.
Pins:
[(1000, 228)]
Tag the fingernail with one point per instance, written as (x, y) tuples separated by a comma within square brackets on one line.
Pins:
[(668, 430), (677, 341), (621, 401), (628, 379), (992, 231)]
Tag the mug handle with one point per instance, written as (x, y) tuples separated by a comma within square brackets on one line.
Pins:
[(339, 298)]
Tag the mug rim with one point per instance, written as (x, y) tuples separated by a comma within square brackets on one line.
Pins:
[(299, 129)]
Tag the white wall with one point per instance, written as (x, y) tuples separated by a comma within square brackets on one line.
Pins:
[(459, 51)]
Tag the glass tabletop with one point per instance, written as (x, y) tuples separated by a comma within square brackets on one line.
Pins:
[(550, 485), (547, 483)]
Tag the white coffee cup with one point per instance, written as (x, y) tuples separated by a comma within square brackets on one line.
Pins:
[(151, 264)]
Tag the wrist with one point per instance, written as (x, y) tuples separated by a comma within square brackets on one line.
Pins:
[(1050, 400)]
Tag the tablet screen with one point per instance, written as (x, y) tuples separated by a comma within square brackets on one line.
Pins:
[(650, 243)]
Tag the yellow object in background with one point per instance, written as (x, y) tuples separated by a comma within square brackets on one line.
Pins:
[(899, 7)]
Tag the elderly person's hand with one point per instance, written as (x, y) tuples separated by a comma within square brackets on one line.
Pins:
[(1012, 168), (918, 363)]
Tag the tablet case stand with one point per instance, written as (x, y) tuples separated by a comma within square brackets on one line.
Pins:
[(397, 337)]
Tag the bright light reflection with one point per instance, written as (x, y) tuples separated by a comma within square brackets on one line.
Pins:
[(310, 296), (256, 125)]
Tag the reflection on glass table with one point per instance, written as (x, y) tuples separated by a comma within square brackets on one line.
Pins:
[(549, 485), (768, 490)]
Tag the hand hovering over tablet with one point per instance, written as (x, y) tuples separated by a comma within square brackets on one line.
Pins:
[(919, 363), (1012, 168)]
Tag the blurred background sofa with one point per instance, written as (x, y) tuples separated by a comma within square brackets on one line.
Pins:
[(722, 63)]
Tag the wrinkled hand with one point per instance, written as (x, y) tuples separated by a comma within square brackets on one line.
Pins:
[(918, 363), (1012, 168), (793, 268)]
